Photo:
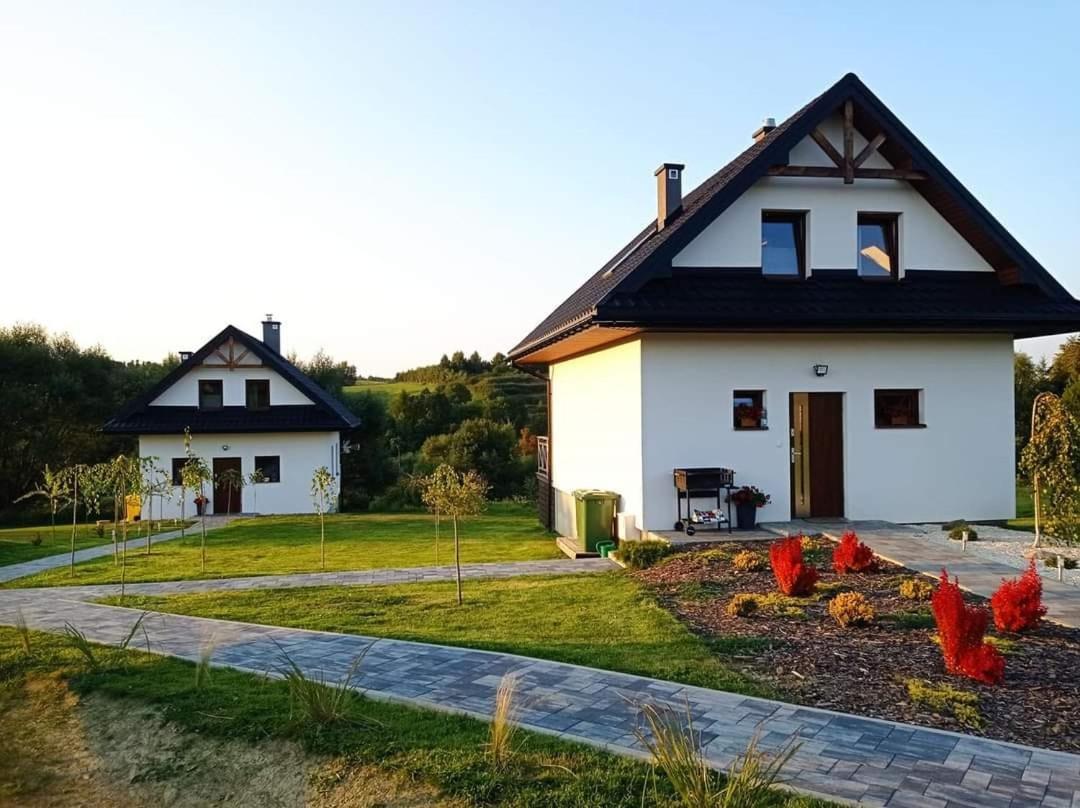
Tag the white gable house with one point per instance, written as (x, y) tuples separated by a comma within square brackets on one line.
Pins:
[(831, 316), (247, 408)]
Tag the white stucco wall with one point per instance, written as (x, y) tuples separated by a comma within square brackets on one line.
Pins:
[(596, 429), (185, 392), (927, 241), (300, 452), (960, 466)]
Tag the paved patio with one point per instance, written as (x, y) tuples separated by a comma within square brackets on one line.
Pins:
[(869, 761), (915, 549), (13, 571)]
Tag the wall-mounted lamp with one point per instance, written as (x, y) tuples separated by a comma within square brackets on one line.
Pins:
[(225, 446), (821, 370)]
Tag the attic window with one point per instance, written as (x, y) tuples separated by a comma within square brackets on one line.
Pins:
[(257, 394), (210, 395), (878, 251), (783, 244)]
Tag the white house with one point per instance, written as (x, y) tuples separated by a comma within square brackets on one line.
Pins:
[(831, 315), (247, 408)]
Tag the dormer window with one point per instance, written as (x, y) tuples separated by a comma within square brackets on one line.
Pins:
[(210, 395), (878, 251), (257, 394), (783, 244)]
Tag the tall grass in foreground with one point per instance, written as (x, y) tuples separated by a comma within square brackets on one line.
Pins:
[(24, 633), (500, 745), (676, 750), (312, 700)]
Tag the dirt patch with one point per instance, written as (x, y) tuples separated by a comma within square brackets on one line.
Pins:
[(796, 646), (57, 749)]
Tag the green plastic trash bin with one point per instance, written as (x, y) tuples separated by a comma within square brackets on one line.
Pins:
[(595, 516)]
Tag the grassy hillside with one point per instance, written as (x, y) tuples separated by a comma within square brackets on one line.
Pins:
[(385, 389)]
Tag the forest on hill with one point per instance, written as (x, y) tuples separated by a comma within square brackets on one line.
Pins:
[(466, 411)]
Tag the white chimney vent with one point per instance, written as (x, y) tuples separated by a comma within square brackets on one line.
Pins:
[(767, 126)]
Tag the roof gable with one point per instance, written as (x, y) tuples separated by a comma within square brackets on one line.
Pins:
[(241, 350), (650, 254)]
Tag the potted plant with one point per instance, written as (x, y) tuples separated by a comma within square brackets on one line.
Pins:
[(200, 504), (748, 416), (746, 501)]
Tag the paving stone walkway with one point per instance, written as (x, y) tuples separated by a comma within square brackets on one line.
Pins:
[(373, 577), (13, 571), (864, 760), (915, 549)]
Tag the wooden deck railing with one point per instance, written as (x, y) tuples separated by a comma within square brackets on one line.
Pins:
[(542, 454)]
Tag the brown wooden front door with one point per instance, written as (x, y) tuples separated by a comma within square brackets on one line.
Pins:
[(817, 454), (226, 497)]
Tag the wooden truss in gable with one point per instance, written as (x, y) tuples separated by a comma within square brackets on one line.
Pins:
[(848, 165), (235, 355)]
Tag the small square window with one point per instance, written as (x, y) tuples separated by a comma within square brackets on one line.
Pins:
[(878, 252), (749, 409), (177, 465), (270, 466), (783, 244), (897, 408), (210, 395), (257, 394)]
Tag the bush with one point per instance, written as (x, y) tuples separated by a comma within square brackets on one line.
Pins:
[(742, 605), (641, 554), (916, 588), (960, 704), (1017, 604), (747, 561), (957, 533), (1067, 563), (792, 575), (961, 629), (851, 555), (851, 609)]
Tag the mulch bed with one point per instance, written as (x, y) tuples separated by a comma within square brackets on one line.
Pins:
[(802, 652)]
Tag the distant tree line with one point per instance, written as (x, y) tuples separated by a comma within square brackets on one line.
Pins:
[(1061, 375)]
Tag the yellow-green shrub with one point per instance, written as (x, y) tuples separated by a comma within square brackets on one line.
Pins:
[(851, 609), (742, 605), (747, 561), (960, 704), (916, 589)]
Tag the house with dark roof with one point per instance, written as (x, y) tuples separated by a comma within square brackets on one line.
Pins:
[(831, 315), (249, 411)]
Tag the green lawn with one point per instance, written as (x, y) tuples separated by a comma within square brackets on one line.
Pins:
[(17, 543), (604, 621), (1025, 509), (272, 545), (445, 750), (386, 389)]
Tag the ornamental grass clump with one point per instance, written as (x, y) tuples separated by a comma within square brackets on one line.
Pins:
[(851, 609), (916, 589), (962, 630), (1017, 604), (747, 561), (851, 555), (793, 576)]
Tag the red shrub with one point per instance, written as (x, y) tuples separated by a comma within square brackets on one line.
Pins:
[(792, 575), (1017, 604), (961, 629), (851, 555)]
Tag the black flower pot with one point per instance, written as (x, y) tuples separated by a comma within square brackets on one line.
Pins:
[(746, 516)]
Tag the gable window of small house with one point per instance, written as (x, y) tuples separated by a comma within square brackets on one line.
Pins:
[(177, 467), (270, 466), (878, 250), (748, 408), (783, 244), (257, 394), (210, 394), (897, 408)]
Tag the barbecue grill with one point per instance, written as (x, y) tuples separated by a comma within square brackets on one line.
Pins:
[(702, 483)]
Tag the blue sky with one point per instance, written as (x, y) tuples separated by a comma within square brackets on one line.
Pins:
[(395, 180)]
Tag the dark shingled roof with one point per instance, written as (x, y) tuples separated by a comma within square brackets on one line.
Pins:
[(326, 415), (642, 268)]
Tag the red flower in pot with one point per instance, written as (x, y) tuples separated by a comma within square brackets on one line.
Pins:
[(746, 501)]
